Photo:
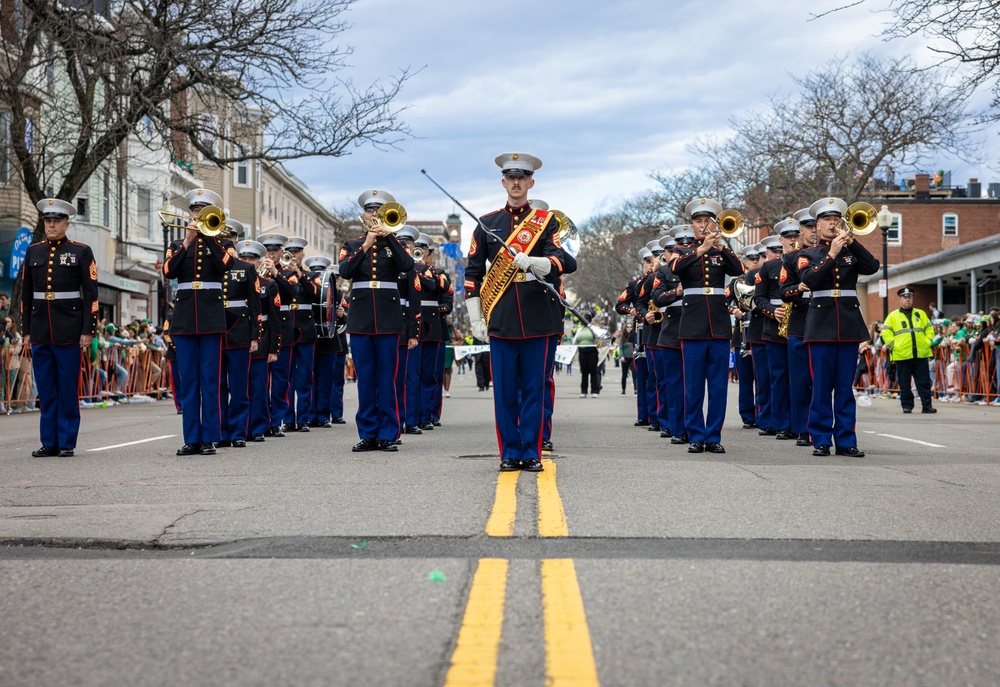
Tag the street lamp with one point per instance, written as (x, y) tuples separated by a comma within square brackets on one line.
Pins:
[(884, 222)]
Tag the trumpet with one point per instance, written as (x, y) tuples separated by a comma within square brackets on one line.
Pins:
[(286, 260), (657, 313), (417, 254), (730, 223), (390, 217), (262, 271), (211, 221), (861, 220)]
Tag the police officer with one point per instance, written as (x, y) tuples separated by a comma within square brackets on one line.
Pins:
[(799, 370), (752, 258), (628, 305), (834, 327), (326, 346), (518, 311), (666, 294), (266, 353), (908, 333), (304, 346), (768, 299), (59, 318), (705, 328), (408, 368), (199, 264), (240, 293), (432, 333), (281, 368), (375, 321)]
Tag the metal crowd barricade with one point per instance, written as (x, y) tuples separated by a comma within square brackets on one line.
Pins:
[(953, 373)]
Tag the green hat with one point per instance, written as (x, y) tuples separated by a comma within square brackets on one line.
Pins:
[(110, 328)]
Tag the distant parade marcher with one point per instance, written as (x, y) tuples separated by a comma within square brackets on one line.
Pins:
[(240, 293), (199, 263), (59, 319), (768, 299), (666, 295), (908, 333), (304, 346), (281, 368), (325, 358), (408, 368), (446, 302), (705, 326), (739, 291), (655, 380), (834, 327), (626, 305), (340, 366), (799, 371), (266, 353), (435, 303), (375, 321), (516, 310)]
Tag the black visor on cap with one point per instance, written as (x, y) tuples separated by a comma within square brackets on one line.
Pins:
[(517, 173), (372, 206), (697, 213), (752, 256), (828, 213), (790, 233), (808, 222), (56, 215)]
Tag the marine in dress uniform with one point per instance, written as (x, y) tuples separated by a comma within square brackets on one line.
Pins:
[(433, 293), (240, 295), (517, 309), (705, 326), (834, 327), (408, 369), (375, 321), (768, 298), (655, 379), (59, 318), (266, 353), (304, 346), (627, 305), (799, 371), (446, 303), (327, 342), (340, 366), (199, 264), (758, 354), (666, 296), (281, 368), (908, 333), (752, 258)]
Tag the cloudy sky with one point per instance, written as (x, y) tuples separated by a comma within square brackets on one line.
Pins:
[(602, 92)]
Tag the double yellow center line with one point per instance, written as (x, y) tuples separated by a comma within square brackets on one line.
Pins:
[(569, 657)]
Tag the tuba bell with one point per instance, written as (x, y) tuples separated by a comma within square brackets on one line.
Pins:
[(567, 228), (862, 219), (731, 223)]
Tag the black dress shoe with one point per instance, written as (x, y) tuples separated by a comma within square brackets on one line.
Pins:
[(45, 452), (366, 445), (338, 421), (509, 465), (749, 425), (803, 440), (277, 432), (907, 411), (225, 443), (821, 450), (547, 445), (665, 434), (387, 445), (257, 438), (697, 447), (207, 449), (303, 428), (239, 443), (532, 465), (641, 423), (314, 423), (653, 428), (412, 430), (325, 424), (767, 432), (851, 452), (188, 449), (715, 447), (682, 439), (929, 410), (427, 427), (436, 423), (65, 453), (784, 435)]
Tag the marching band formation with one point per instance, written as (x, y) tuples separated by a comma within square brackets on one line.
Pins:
[(260, 336)]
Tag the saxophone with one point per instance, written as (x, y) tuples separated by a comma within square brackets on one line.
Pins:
[(783, 323)]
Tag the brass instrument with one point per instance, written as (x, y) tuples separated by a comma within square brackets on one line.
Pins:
[(730, 223), (567, 228), (262, 271), (417, 254), (744, 299), (783, 322), (211, 221), (861, 220), (286, 260), (390, 217), (657, 313)]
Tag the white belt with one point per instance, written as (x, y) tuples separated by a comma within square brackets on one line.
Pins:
[(235, 304), (263, 318), (834, 293), (429, 304), (676, 304), (777, 301), (285, 307), (807, 294), (375, 285), (199, 285), (405, 303), (55, 295), (703, 291)]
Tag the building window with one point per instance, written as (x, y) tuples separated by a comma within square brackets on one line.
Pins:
[(949, 224), (895, 235), (144, 212), (4, 147), (83, 204), (242, 174), (208, 135), (106, 199)]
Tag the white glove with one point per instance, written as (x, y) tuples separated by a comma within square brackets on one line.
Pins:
[(526, 262), (476, 322)]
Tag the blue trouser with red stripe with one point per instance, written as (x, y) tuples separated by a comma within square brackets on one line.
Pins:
[(260, 413), (413, 386), (673, 367), (322, 386), (57, 374), (375, 359), (281, 369), (300, 412), (236, 373), (777, 368), (744, 364), (438, 400), (662, 397), (641, 396), (833, 410), (549, 393), (799, 384), (706, 361), (403, 356), (199, 361), (762, 377), (337, 402), (429, 380), (518, 368)]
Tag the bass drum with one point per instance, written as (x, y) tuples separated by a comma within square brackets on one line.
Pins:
[(326, 309)]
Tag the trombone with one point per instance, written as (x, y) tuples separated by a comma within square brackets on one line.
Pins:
[(730, 223), (861, 220), (390, 217), (211, 221)]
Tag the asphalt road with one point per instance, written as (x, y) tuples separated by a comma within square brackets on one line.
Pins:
[(296, 562)]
